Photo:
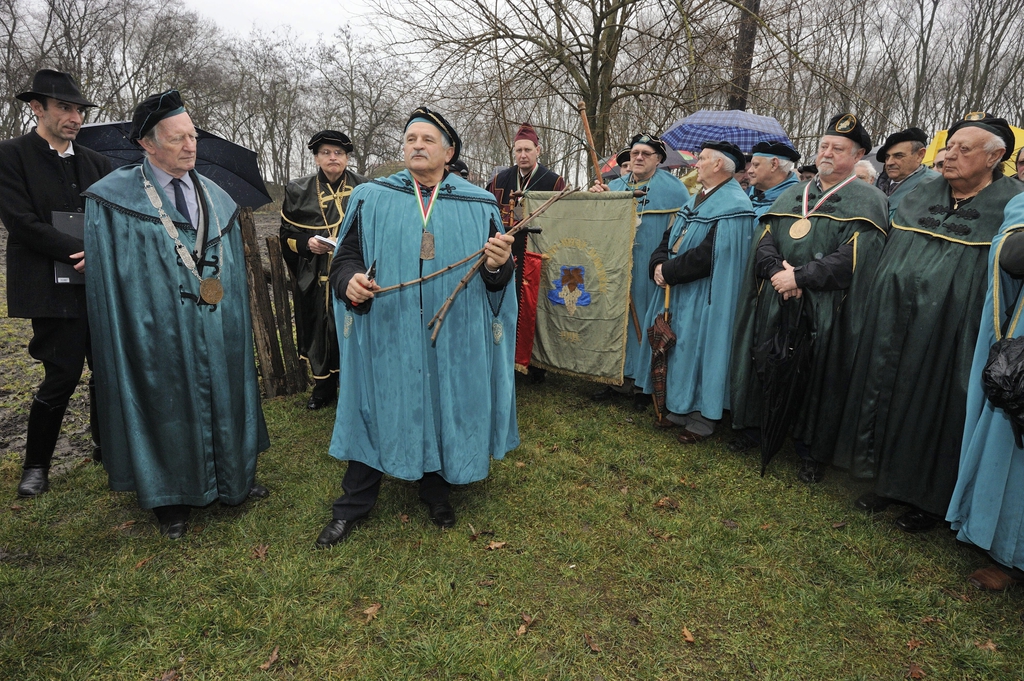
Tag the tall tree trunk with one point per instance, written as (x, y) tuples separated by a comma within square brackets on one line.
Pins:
[(743, 58)]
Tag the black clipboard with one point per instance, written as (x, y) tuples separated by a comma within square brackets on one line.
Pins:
[(72, 224)]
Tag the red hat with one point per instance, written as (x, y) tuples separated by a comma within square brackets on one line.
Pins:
[(526, 132)]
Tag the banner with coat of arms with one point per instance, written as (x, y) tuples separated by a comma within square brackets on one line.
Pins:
[(583, 301)]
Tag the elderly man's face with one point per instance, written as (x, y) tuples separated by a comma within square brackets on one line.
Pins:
[(708, 166), (331, 159), (624, 169), (425, 152), (174, 150), (966, 159), (525, 153), (901, 161), (836, 157), (643, 161), (760, 170)]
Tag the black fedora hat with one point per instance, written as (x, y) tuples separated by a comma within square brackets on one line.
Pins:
[(56, 85)]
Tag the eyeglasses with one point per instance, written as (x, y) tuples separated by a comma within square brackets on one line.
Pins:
[(641, 154), (327, 153)]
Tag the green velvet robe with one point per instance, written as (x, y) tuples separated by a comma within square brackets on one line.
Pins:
[(856, 215), (904, 413), (179, 402)]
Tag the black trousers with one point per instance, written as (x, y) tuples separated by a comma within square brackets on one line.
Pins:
[(361, 485), (63, 346)]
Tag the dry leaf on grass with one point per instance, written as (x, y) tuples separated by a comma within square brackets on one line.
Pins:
[(624, 490), (520, 464), (260, 552), (666, 502), (914, 672), (528, 621), (658, 535), (404, 517), (838, 526), (687, 636), (931, 620), (15, 507), (987, 645), (553, 448), (371, 612), (485, 582), (483, 604), (495, 545), (270, 660), (914, 644), (766, 526), (590, 642), (171, 675), (730, 524), (124, 526), (957, 595), (143, 562)]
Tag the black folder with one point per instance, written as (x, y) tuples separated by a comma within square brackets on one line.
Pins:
[(72, 224)]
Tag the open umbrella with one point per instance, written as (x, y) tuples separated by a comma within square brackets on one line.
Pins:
[(783, 363), (231, 166), (739, 127), (662, 339)]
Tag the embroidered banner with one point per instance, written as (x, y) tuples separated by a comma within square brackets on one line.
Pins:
[(583, 301)]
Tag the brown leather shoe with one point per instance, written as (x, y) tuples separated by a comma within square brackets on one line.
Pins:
[(991, 578), (689, 438), (663, 422)]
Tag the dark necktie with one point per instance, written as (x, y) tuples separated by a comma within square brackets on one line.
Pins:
[(179, 199)]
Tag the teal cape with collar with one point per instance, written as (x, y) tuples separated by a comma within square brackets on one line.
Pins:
[(987, 507), (405, 406), (178, 396), (764, 201), (922, 174), (665, 196), (703, 311)]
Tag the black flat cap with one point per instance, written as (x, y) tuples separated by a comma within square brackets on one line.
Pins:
[(776, 149), (652, 141), (809, 168), (730, 150), (154, 109), (622, 156), (908, 135), (846, 125), (56, 85), (438, 121), (986, 121), (460, 168), (334, 137)]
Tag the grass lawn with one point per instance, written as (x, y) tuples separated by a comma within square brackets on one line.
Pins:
[(599, 549)]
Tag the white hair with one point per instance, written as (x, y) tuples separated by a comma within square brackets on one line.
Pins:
[(994, 143), (872, 173), (728, 165), (785, 165)]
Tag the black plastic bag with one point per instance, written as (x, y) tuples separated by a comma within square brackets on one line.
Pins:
[(1003, 382)]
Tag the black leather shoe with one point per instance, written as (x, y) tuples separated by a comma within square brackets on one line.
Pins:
[(641, 401), (174, 529), (34, 481), (316, 402), (604, 394), (443, 515), (258, 491), (872, 503), (741, 444), (336, 531), (811, 471), (97, 454), (915, 521)]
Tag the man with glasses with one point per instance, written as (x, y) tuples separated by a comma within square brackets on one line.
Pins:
[(168, 297), (659, 198), (311, 214), (42, 175), (902, 156)]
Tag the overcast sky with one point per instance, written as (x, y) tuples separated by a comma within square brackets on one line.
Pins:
[(308, 17)]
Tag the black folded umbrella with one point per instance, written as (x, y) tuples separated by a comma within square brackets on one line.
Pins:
[(231, 166), (783, 363)]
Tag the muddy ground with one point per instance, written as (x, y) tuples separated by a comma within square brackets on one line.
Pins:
[(20, 375)]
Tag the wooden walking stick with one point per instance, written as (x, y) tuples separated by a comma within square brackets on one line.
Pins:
[(438, 318), (582, 106)]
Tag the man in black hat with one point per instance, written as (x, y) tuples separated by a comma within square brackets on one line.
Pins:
[(807, 172), (902, 156), (43, 173), (817, 240), (169, 309), (411, 406), (701, 259), (311, 214), (906, 406)]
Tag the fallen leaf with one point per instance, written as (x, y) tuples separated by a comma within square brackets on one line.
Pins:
[(270, 660), (838, 526), (554, 448), (658, 535), (168, 676), (730, 524), (482, 604), (15, 507), (590, 642), (371, 612), (666, 502), (624, 490), (931, 620), (124, 526), (957, 595), (520, 464), (260, 552), (914, 672), (766, 526), (687, 636), (143, 562), (521, 630), (914, 644), (403, 517), (495, 545), (987, 645)]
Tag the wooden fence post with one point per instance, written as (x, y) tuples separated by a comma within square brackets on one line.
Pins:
[(296, 379), (268, 350)]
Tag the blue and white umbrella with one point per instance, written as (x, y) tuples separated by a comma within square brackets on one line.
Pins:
[(739, 127)]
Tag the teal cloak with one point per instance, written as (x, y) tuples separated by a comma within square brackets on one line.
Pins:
[(665, 196), (920, 175), (179, 402), (405, 406), (855, 215), (987, 507), (703, 311), (762, 201), (904, 411)]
